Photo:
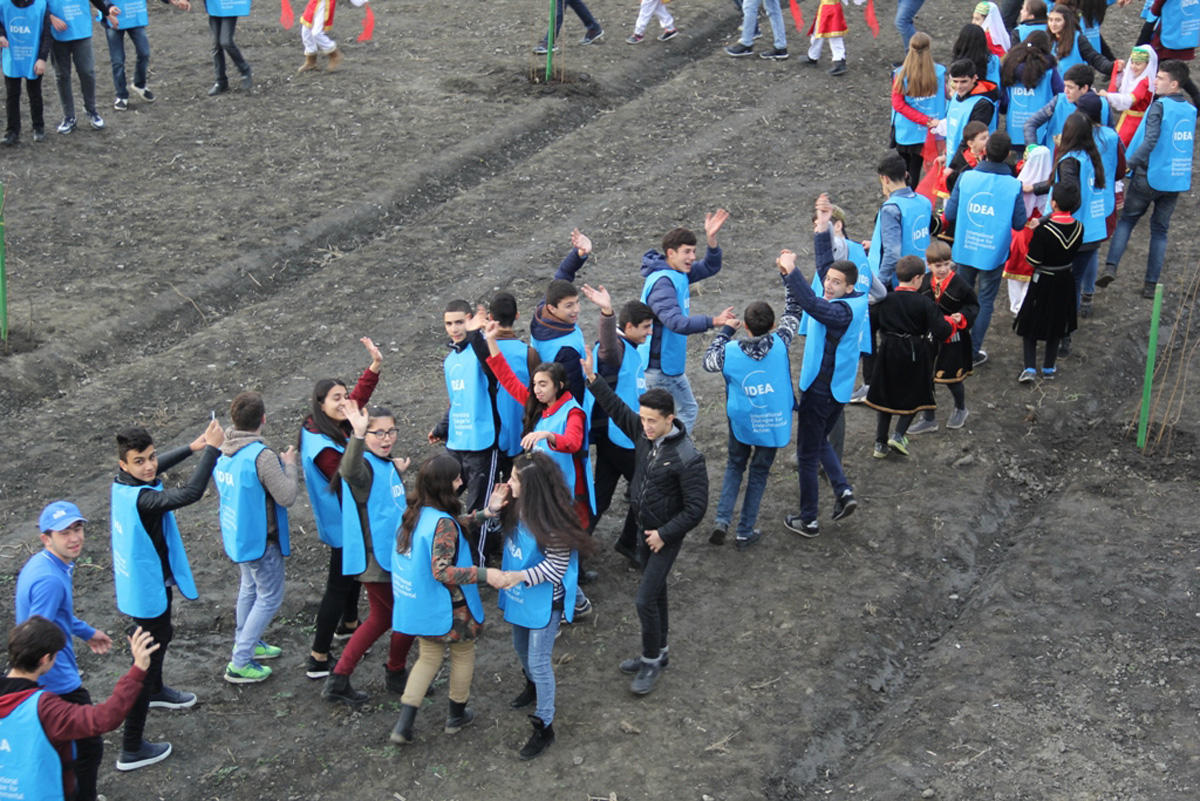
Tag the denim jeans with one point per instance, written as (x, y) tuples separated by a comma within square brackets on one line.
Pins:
[(259, 598), (819, 412), (580, 10), (905, 11), (735, 465), (686, 408), (1138, 197), (1083, 269), (116, 55), (78, 51), (750, 22), (989, 286), (222, 30), (738, 5), (534, 648)]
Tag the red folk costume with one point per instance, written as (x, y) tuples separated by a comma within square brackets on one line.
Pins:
[(1132, 94), (311, 9), (829, 22)]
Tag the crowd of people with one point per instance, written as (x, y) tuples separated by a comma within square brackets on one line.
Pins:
[(513, 498)]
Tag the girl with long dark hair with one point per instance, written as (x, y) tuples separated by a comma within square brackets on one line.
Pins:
[(1030, 82), (972, 44)]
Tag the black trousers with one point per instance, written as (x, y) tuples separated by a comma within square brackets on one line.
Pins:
[(163, 632), (12, 103), (652, 597), (339, 603), (89, 752)]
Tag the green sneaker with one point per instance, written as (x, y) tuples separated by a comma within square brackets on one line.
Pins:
[(264, 651), (252, 673), (900, 445)]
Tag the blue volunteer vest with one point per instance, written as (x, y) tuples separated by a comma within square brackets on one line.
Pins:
[(23, 27), (958, 113), (630, 386), (1064, 108), (1170, 164), (1107, 144), (77, 16), (758, 395), (137, 571), (531, 606), (386, 503), (845, 362), (993, 69), (915, 212), (1091, 33), (1023, 103), (1070, 59), (1146, 13), (866, 278), (557, 423), (326, 506), (472, 427), (1180, 28), (227, 8), (1091, 200), (512, 413), (243, 510), (1026, 28), (912, 133), (133, 15), (983, 229), (30, 768), (422, 604), (672, 347)]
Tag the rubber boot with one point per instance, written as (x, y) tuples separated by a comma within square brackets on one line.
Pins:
[(402, 732), (337, 689), (310, 63), (540, 740), (527, 695), (460, 715), (335, 61), (396, 680)]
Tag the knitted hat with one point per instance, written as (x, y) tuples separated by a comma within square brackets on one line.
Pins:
[(1090, 105)]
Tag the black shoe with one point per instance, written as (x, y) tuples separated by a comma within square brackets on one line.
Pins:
[(526, 697), (316, 669), (344, 632), (737, 50), (460, 715), (10, 138), (812, 62), (167, 698), (647, 676), (1108, 276), (979, 358), (631, 666), (218, 88), (583, 607), (805, 528), (540, 740), (742, 543), (247, 80), (838, 68), (845, 505), (402, 732), (39, 134), (592, 37), (775, 53), (1148, 290), (148, 754), (396, 679), (337, 689), (588, 576), (717, 537)]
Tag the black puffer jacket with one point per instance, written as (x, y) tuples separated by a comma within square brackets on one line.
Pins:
[(670, 487)]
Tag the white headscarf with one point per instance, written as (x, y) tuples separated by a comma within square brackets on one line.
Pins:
[(993, 25), (1129, 80), (1038, 164)]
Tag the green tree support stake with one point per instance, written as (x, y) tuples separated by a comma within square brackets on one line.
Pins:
[(3, 279), (1151, 352), (550, 40)]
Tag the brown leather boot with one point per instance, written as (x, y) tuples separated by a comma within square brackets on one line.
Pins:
[(335, 61), (310, 63)]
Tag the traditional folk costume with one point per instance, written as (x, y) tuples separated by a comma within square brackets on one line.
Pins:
[(829, 23), (998, 39), (1034, 169), (1132, 94), (315, 23), (1048, 312), (954, 355)]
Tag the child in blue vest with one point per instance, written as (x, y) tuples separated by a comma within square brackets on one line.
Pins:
[(542, 544), (256, 486), (38, 727), (26, 41), (373, 499), (323, 438), (902, 383), (222, 25), (134, 19), (149, 560), (617, 359), (554, 330), (72, 32), (758, 404)]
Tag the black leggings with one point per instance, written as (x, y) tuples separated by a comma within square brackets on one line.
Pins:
[(960, 399), (883, 423), (339, 604), (1030, 347), (913, 162)]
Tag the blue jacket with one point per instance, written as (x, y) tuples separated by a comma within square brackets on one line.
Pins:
[(663, 303), (44, 588)]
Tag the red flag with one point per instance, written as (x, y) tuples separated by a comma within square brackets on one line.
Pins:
[(1115, 82), (931, 171), (797, 17), (286, 18), (869, 16), (368, 29)]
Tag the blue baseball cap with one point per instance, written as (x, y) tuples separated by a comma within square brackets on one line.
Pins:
[(59, 515)]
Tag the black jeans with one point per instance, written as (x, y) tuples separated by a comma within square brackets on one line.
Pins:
[(652, 596), (12, 103), (89, 752), (613, 462), (339, 603), (222, 30), (163, 632)]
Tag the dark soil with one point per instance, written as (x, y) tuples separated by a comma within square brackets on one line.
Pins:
[(1010, 614)]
